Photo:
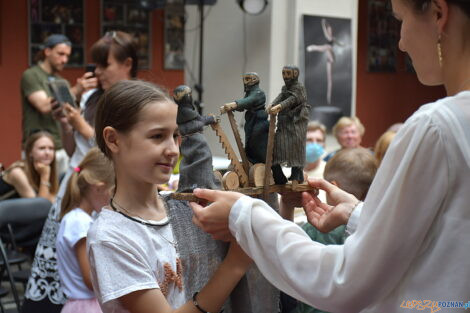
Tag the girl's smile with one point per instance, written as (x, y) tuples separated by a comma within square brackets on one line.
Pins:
[(149, 151)]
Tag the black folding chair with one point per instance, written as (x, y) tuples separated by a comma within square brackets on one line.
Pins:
[(21, 223), (6, 267), (26, 217)]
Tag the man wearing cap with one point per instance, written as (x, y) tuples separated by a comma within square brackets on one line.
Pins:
[(36, 96)]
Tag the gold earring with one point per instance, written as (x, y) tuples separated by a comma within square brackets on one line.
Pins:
[(439, 50)]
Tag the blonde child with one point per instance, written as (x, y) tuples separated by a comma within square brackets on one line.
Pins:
[(133, 253), (88, 190)]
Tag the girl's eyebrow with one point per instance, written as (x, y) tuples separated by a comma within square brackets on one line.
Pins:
[(162, 128)]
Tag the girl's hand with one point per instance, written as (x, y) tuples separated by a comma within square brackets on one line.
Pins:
[(43, 170), (213, 218)]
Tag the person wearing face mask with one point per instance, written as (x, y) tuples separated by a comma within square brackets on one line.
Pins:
[(315, 148), (292, 119), (348, 132), (256, 119), (410, 242), (314, 168)]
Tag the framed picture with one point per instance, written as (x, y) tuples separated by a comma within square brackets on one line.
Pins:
[(47, 17), (174, 36), (384, 32), (328, 65), (129, 17)]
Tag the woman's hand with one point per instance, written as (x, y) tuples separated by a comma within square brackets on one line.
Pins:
[(58, 113), (327, 217), (86, 82), (213, 218), (43, 170), (78, 122), (73, 115)]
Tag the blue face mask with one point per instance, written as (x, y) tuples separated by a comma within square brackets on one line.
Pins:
[(313, 152)]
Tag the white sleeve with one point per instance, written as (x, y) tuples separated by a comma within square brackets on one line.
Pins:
[(117, 271), (76, 228), (354, 220), (402, 203)]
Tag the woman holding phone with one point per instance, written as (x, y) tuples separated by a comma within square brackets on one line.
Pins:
[(115, 55)]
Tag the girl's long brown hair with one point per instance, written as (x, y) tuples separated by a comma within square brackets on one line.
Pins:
[(95, 168), (33, 176)]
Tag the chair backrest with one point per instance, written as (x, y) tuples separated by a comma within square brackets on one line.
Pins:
[(26, 216)]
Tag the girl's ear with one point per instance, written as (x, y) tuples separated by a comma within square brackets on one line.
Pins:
[(128, 63), (111, 139), (441, 12)]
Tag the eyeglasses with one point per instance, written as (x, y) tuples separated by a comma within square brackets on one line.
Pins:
[(114, 35)]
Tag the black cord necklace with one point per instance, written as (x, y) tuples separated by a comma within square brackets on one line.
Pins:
[(140, 220)]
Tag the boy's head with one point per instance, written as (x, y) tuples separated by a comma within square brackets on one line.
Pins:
[(352, 170)]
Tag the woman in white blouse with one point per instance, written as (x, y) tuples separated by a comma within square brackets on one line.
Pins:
[(410, 248)]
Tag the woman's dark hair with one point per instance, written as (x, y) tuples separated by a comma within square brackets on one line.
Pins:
[(121, 44), (422, 5), (120, 105)]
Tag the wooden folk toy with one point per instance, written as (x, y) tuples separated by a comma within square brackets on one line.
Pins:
[(291, 131), (281, 145), (256, 119), (196, 164)]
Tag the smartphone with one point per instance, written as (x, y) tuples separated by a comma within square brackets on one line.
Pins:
[(61, 92), (90, 68)]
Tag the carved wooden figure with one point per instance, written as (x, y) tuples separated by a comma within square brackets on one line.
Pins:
[(256, 119), (292, 119), (196, 165)]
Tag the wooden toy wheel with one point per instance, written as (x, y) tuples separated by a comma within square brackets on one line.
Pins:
[(230, 181), (218, 176), (256, 175)]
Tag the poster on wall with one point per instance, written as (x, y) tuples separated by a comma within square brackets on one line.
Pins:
[(384, 32), (328, 67), (47, 17), (129, 17)]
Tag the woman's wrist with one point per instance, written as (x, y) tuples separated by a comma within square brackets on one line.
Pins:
[(45, 177), (348, 211), (45, 183)]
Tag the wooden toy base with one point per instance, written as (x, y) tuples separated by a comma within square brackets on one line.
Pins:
[(253, 191)]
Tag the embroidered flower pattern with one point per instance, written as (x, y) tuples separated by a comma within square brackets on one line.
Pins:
[(171, 277)]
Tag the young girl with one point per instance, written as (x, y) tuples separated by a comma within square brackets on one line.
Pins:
[(133, 255), (116, 57), (88, 190), (36, 175)]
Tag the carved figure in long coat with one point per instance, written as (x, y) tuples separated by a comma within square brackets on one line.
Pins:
[(291, 129), (196, 165), (256, 119)]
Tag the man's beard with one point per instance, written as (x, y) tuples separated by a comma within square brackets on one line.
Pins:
[(56, 69)]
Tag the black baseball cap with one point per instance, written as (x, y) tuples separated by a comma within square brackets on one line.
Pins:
[(56, 39)]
